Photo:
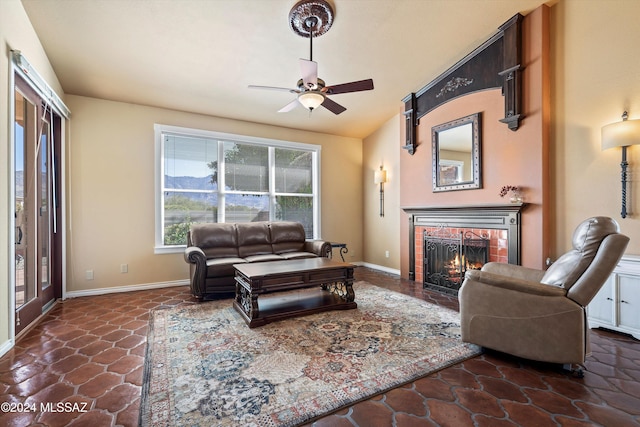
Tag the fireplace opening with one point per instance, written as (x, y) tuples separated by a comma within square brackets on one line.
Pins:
[(448, 255)]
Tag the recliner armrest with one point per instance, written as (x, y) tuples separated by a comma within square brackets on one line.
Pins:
[(321, 248), (512, 283), (514, 270)]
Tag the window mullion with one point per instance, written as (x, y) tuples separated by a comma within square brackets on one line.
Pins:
[(272, 183), (221, 182)]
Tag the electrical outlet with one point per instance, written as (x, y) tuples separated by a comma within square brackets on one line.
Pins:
[(88, 274), (124, 268), (386, 254)]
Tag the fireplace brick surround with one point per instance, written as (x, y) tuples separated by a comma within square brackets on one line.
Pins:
[(500, 222)]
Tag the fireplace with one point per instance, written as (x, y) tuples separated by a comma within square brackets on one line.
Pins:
[(499, 224), (448, 255)]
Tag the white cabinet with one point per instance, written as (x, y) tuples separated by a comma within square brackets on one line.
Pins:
[(617, 305)]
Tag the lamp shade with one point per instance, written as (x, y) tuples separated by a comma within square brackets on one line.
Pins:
[(311, 100), (621, 134), (380, 176)]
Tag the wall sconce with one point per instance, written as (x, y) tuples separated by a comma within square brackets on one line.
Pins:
[(622, 134), (380, 177)]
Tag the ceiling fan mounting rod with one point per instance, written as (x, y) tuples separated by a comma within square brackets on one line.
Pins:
[(311, 23)]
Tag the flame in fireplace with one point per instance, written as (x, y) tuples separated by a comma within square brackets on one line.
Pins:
[(457, 261)]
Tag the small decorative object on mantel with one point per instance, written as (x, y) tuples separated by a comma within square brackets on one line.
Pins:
[(516, 193)]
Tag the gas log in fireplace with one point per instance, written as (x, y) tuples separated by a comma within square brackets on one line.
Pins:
[(448, 255)]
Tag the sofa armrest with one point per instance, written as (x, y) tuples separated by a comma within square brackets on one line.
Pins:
[(513, 283), (321, 248), (195, 255), (198, 269)]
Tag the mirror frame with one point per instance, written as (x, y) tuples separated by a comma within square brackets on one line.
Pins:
[(476, 182)]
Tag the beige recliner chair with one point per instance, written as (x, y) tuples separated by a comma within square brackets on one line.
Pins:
[(540, 315)]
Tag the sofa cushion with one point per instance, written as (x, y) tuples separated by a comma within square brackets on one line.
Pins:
[(287, 237), (254, 239), (298, 255), (217, 240), (263, 258), (222, 267)]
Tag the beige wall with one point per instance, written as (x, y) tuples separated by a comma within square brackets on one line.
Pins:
[(381, 233), (111, 185), (15, 33), (595, 77)]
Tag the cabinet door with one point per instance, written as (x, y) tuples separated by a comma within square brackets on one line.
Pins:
[(629, 293), (601, 308)]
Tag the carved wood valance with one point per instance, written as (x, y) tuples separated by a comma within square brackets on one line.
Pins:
[(494, 64)]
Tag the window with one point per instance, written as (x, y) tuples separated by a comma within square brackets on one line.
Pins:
[(213, 177)]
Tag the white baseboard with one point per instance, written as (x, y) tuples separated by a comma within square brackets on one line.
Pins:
[(378, 267), (6, 346), (130, 288), (158, 285)]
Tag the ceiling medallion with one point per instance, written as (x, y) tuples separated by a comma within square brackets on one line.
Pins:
[(311, 16)]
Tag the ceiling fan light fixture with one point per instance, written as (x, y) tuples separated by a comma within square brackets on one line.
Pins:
[(311, 100)]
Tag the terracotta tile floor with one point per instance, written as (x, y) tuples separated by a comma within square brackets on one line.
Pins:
[(88, 353)]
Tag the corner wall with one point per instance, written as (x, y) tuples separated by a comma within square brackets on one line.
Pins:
[(381, 233)]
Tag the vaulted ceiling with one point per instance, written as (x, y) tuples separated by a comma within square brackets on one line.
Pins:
[(200, 55)]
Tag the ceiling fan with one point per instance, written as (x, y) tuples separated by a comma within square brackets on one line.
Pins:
[(306, 18)]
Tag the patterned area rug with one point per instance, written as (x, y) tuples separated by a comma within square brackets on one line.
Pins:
[(205, 367)]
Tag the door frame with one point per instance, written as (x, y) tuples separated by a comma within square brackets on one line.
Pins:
[(20, 67)]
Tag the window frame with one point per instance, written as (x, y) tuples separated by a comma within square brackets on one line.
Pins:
[(222, 137)]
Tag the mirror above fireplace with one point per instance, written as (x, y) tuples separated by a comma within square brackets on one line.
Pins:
[(456, 154)]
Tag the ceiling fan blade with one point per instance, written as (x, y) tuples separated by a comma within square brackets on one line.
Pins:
[(281, 89), (309, 71), (358, 86), (290, 106), (333, 106)]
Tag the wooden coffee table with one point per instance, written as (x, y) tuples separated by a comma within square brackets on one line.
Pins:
[(332, 280)]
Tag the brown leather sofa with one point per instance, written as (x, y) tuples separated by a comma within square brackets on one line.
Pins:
[(213, 249), (537, 314)]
